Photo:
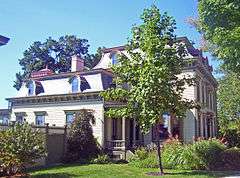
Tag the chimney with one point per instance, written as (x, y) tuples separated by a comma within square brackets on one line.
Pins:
[(77, 64)]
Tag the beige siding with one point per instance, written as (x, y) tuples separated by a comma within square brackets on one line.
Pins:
[(189, 127), (55, 114)]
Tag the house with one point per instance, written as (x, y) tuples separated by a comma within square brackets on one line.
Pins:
[(4, 113), (53, 98)]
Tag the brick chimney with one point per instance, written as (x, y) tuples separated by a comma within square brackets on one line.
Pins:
[(77, 64)]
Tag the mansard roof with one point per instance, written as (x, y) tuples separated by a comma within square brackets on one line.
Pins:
[(3, 40)]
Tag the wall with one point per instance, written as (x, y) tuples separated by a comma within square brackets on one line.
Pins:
[(56, 114)]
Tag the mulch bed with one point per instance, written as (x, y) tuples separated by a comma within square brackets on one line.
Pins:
[(18, 176), (156, 174)]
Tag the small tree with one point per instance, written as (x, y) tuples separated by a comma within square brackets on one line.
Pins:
[(20, 146), (81, 143), (152, 73)]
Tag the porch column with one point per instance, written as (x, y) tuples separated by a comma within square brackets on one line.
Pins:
[(134, 132), (123, 131)]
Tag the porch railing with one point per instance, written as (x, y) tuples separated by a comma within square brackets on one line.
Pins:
[(116, 144), (138, 143)]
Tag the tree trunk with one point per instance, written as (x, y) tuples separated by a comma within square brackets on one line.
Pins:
[(159, 155)]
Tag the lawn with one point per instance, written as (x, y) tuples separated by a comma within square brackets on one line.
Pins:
[(114, 171)]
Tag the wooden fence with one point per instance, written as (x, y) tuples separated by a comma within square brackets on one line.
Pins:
[(55, 141)]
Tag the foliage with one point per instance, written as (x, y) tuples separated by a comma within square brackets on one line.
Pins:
[(101, 159), (56, 54), (219, 23), (20, 146), (232, 137), (172, 153), (151, 73), (207, 153), (229, 108), (156, 60), (231, 159), (81, 143), (202, 154), (144, 158)]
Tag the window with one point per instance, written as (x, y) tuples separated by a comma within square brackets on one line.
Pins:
[(198, 92), (114, 59), (203, 93), (30, 88), (40, 119), (19, 119), (4, 120), (161, 130), (69, 118), (75, 84)]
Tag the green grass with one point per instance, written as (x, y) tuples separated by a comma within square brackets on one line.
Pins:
[(115, 171)]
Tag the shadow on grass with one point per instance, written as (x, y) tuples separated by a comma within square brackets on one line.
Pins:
[(201, 173), (52, 175)]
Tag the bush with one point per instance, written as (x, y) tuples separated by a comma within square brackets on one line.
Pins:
[(202, 154), (20, 146), (144, 158), (172, 153), (101, 159), (140, 154), (232, 137), (81, 144), (231, 159), (207, 153)]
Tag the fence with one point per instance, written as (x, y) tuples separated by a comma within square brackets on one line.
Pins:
[(55, 141)]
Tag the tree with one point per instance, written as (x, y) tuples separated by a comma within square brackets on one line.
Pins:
[(20, 146), (220, 25), (151, 72), (229, 108), (81, 143), (56, 54)]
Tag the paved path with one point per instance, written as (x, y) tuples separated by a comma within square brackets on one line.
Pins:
[(236, 175)]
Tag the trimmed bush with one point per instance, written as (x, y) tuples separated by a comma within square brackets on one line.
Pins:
[(231, 159), (81, 144), (20, 146)]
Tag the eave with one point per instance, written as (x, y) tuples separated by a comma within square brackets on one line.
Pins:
[(60, 98)]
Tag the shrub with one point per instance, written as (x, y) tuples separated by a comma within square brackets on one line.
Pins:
[(207, 153), (101, 159), (232, 137), (140, 154), (81, 143), (202, 154), (144, 158), (172, 153), (20, 146), (231, 159)]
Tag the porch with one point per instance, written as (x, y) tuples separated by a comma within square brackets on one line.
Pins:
[(122, 134)]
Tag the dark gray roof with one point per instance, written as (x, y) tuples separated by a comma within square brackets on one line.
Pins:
[(3, 40)]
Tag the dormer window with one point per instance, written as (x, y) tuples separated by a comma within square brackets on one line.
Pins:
[(35, 88), (31, 88), (114, 58), (75, 84)]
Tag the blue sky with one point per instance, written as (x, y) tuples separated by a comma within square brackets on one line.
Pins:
[(103, 23)]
